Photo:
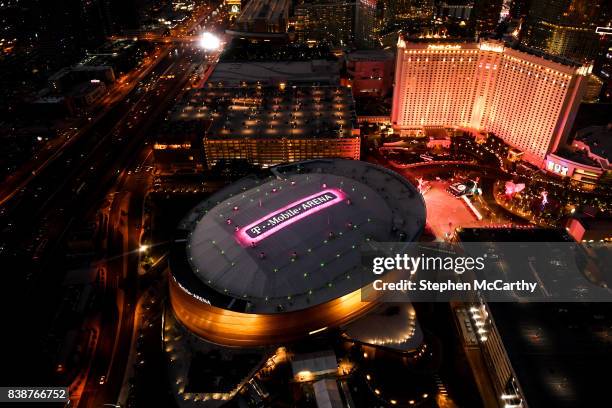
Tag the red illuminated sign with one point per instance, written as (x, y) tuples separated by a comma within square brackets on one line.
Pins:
[(289, 214)]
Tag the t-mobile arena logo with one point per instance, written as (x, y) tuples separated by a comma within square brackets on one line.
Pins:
[(289, 214)]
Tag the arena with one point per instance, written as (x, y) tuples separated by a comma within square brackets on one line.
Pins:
[(272, 258)]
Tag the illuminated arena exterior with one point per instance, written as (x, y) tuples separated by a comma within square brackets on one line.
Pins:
[(270, 259)]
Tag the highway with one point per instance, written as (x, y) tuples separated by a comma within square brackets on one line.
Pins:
[(109, 361), (77, 179), (35, 222), (15, 184), (123, 242), (125, 222), (78, 194), (103, 135)]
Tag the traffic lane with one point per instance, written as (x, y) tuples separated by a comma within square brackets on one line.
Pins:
[(72, 160), (110, 312), (109, 391), (79, 164), (130, 287), (132, 77), (39, 320), (112, 116), (130, 228), (108, 366), (15, 187)]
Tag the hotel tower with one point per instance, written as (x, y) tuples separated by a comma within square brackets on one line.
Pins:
[(528, 100)]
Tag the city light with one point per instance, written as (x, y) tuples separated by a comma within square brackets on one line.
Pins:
[(228, 181), (317, 331), (210, 42)]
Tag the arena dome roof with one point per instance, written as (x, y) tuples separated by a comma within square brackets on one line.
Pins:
[(291, 240)]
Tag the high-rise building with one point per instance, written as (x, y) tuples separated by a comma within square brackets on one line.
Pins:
[(264, 16), (461, 10), (567, 27), (486, 14), (365, 23), (605, 69), (528, 346), (331, 21), (518, 8), (526, 99), (234, 7), (339, 22), (407, 9)]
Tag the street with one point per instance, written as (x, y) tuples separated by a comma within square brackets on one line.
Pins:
[(67, 192)]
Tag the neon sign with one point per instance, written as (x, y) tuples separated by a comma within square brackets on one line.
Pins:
[(289, 214), (488, 46), (443, 47), (557, 168), (604, 30)]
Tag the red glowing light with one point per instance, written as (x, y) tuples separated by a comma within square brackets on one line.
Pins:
[(289, 214)]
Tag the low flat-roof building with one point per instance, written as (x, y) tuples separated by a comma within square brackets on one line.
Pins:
[(539, 353), (371, 72), (87, 93), (590, 229), (64, 79), (392, 326), (274, 73), (308, 366), (587, 161), (292, 64), (327, 394), (273, 125), (178, 148)]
